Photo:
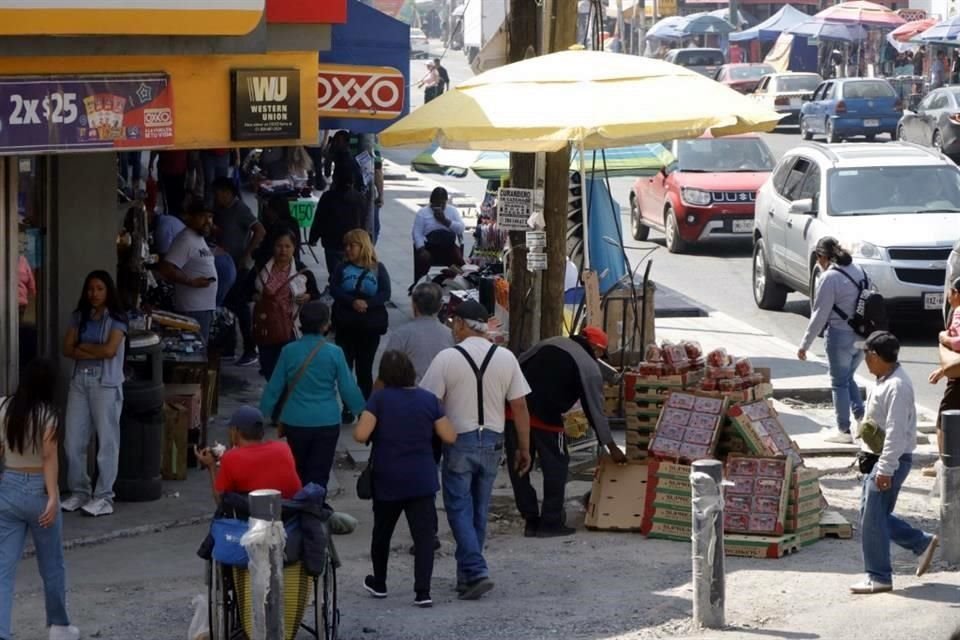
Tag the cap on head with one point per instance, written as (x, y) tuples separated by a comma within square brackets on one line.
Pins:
[(882, 343), (595, 337), (249, 422), (471, 310)]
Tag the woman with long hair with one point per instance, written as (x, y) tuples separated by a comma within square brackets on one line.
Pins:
[(360, 286), (436, 235), (834, 301), (30, 495), (95, 342)]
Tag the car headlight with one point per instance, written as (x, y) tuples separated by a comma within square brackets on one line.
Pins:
[(870, 251), (695, 196)]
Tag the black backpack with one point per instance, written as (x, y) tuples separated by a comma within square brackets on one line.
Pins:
[(870, 314)]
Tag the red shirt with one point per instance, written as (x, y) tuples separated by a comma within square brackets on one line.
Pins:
[(268, 465)]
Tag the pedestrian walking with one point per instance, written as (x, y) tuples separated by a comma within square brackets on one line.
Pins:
[(361, 289), (950, 338), (561, 372), (402, 421), (835, 300), (891, 408), (443, 75), (437, 230), (277, 221), (303, 395), (339, 159), (475, 381), (239, 233), (95, 342), (339, 211), (30, 495), (425, 336), (429, 83), (191, 267), (281, 290), (172, 176)]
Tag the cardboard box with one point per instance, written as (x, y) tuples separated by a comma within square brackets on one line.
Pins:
[(188, 396), (802, 522), (745, 546), (688, 427), (756, 502), (801, 492), (618, 497), (803, 507), (176, 426), (834, 525), (807, 537), (759, 425), (668, 531)]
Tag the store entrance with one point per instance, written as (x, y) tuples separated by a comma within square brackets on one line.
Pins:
[(32, 274)]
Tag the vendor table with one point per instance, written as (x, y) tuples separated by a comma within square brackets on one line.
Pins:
[(196, 368)]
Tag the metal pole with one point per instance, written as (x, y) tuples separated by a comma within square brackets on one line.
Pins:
[(266, 564), (585, 198), (706, 478), (950, 487)]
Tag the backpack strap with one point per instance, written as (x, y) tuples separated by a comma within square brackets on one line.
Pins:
[(860, 287), (478, 372)]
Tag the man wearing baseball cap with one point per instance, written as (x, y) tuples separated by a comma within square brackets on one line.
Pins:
[(560, 371), (891, 406), (251, 463)]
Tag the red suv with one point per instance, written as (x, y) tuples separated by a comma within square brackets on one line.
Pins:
[(707, 191)]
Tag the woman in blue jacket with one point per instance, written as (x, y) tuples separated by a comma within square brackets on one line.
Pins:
[(310, 415)]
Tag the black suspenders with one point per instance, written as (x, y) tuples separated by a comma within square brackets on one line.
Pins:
[(479, 374)]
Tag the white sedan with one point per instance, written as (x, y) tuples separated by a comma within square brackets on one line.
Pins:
[(785, 93)]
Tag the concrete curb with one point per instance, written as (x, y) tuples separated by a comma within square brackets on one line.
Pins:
[(129, 532)]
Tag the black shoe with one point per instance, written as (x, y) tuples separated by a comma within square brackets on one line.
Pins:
[(378, 591), (474, 590), (460, 588), (531, 527), (423, 600), (555, 532), (436, 546), (248, 360)]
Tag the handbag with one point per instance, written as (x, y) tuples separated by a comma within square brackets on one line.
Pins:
[(269, 327), (949, 362), (288, 389), (866, 461), (365, 480)]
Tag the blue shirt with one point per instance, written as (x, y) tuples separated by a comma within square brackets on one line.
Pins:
[(165, 229), (98, 332), (403, 462), (314, 402), (352, 274)]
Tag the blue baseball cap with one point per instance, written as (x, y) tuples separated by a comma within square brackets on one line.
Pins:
[(246, 417)]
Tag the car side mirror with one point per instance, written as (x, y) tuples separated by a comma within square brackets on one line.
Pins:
[(804, 206)]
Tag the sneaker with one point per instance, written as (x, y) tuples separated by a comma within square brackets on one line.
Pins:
[(531, 527), (927, 556), (423, 600), (841, 437), (555, 532), (248, 360), (378, 591), (60, 632), (474, 590), (869, 586), (74, 502), (461, 587), (98, 507)]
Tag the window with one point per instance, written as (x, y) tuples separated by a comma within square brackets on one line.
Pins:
[(789, 84), (938, 101), (810, 188), (868, 89), (791, 189), (865, 191)]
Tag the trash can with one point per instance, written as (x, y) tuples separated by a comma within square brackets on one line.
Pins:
[(141, 422)]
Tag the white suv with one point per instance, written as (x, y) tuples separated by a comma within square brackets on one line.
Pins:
[(895, 206)]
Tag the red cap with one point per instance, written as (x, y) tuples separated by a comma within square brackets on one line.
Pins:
[(596, 337)]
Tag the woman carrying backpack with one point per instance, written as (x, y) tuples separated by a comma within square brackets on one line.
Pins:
[(834, 302)]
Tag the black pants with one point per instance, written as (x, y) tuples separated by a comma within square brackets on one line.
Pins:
[(238, 302), (333, 258), (422, 518), (174, 191), (314, 450), (951, 398), (551, 449), (269, 356), (360, 348)]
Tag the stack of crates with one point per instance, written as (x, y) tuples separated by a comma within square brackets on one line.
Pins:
[(804, 506), (644, 405)]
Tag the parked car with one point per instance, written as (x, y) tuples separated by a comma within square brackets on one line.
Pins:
[(936, 122), (848, 107), (743, 77), (704, 61), (868, 198), (707, 191), (419, 44), (785, 93)]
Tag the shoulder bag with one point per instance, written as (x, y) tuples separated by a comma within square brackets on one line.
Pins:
[(365, 479), (288, 390), (269, 327)]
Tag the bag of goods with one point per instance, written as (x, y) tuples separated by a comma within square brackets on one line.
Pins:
[(674, 354), (757, 378), (720, 373), (718, 358), (653, 353), (648, 368), (743, 367), (729, 385), (693, 349), (709, 384)]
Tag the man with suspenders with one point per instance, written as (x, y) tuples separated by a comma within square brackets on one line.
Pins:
[(476, 380)]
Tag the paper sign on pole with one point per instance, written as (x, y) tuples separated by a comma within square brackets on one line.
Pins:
[(514, 208)]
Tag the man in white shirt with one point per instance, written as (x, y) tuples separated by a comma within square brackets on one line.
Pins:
[(190, 266), (892, 408), (437, 229), (475, 381)]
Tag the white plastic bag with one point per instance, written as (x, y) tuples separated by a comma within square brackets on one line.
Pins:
[(200, 625)]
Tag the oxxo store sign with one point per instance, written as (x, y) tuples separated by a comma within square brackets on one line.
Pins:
[(360, 92), (265, 104)]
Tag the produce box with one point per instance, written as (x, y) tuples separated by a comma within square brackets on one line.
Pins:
[(618, 497), (669, 531), (802, 522), (759, 426), (176, 426), (744, 546), (756, 499), (668, 499), (801, 492), (689, 427), (834, 525), (807, 537), (187, 396)]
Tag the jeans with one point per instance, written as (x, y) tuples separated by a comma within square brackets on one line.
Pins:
[(91, 405), (469, 469), (422, 519), (360, 349), (878, 525), (843, 359), (204, 319), (22, 500), (314, 450), (551, 449)]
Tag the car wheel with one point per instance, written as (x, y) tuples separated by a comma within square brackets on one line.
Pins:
[(637, 228), (831, 135), (806, 133), (937, 142), (871, 137), (898, 134), (767, 292), (671, 229)]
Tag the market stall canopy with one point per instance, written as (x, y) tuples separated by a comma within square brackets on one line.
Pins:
[(946, 30), (868, 14), (824, 30), (771, 28), (700, 24), (907, 32), (593, 98), (745, 18), (667, 28), (494, 165)]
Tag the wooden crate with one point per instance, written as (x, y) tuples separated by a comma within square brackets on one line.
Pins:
[(834, 525)]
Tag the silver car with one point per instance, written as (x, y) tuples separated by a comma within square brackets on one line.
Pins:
[(895, 206)]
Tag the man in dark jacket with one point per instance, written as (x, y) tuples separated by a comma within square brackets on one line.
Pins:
[(444, 83), (341, 209), (560, 372)]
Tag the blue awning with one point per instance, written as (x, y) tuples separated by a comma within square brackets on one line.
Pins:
[(771, 28)]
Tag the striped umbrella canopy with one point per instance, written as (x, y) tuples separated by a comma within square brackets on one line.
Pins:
[(868, 14), (946, 31), (493, 165), (825, 30)]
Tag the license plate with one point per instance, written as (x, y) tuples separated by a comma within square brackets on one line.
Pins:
[(742, 226), (795, 103), (871, 123), (933, 301)]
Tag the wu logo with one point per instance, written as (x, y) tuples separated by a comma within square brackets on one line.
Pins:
[(267, 88)]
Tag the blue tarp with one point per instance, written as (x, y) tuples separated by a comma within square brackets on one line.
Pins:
[(606, 235), (771, 28), (369, 38)]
